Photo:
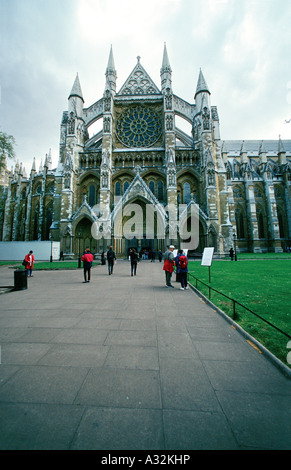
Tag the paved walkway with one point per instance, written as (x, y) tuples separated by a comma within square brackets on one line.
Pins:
[(125, 363)]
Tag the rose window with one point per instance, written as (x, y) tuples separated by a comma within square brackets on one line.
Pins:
[(139, 127)]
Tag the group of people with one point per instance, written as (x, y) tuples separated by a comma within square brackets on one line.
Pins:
[(180, 261)]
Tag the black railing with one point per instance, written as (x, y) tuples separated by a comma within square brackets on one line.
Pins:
[(234, 304)]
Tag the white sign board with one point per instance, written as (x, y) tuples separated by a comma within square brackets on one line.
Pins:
[(207, 256), (55, 251)]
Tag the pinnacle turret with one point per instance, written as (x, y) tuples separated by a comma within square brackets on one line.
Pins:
[(166, 71), (201, 85), (110, 73), (76, 90)]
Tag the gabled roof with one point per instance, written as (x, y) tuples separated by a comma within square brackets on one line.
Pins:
[(138, 188), (139, 83), (253, 147)]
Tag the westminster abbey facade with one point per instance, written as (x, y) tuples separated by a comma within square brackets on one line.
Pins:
[(139, 155)]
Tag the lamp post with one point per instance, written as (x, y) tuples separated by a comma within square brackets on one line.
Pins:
[(79, 236), (51, 239), (234, 242)]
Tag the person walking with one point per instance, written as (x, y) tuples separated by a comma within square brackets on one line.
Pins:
[(87, 259), (160, 256), (168, 266), (110, 260), (181, 263), (133, 261), (231, 254), (29, 259)]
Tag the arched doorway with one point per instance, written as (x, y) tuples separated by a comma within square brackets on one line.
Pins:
[(140, 225), (83, 237)]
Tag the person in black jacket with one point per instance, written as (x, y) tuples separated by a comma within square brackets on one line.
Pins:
[(110, 260), (133, 260)]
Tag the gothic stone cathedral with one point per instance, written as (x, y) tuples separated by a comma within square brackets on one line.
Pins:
[(140, 155)]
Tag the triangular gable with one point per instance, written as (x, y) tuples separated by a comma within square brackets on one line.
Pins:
[(139, 83), (85, 210), (138, 188)]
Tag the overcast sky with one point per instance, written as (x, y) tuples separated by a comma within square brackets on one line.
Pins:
[(242, 46)]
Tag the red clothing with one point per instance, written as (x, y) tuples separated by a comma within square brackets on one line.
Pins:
[(29, 258), (168, 266), (87, 257)]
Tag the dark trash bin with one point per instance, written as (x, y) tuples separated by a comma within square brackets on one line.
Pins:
[(20, 280)]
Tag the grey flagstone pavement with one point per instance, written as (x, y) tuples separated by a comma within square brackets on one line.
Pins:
[(124, 363)]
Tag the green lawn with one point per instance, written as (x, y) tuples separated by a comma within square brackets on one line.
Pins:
[(40, 265), (262, 285)]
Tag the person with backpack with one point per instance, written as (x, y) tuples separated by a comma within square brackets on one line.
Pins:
[(110, 260), (181, 263)]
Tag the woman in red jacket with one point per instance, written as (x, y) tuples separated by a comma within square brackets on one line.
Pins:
[(29, 258)]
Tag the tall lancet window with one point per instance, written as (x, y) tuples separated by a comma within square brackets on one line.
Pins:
[(152, 186), (117, 189), (160, 191), (187, 194), (92, 195)]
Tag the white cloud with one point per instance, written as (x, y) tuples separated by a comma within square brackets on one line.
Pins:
[(107, 20), (242, 46)]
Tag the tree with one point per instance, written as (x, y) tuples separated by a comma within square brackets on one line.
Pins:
[(7, 143)]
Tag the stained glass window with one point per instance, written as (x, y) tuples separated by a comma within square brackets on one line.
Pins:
[(117, 189), (139, 127), (187, 195)]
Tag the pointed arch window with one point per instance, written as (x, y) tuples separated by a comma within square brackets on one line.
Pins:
[(92, 195), (36, 223), (281, 223), (261, 224), (239, 220), (125, 186), (49, 220), (118, 189), (152, 186), (187, 194), (160, 191)]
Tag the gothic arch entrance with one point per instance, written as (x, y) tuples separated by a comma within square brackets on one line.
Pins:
[(83, 238), (138, 225)]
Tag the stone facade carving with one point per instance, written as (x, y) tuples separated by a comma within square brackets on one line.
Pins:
[(139, 156)]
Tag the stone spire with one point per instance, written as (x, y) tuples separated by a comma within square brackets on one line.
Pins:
[(76, 99), (76, 90), (262, 153), (110, 73), (166, 71), (201, 85), (281, 152), (33, 168), (202, 100)]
